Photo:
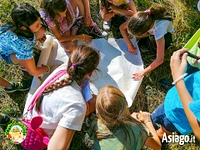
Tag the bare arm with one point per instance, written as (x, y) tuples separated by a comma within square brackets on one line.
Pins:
[(61, 139), (30, 66), (157, 62), (177, 68), (154, 141), (159, 56), (123, 30), (129, 13), (69, 38), (104, 14)]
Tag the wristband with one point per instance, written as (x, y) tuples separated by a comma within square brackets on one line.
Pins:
[(83, 37), (179, 78), (149, 120)]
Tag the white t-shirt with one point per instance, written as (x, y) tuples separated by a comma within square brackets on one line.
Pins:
[(161, 27), (64, 107)]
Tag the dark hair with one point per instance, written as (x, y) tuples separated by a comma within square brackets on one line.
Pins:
[(53, 7), (105, 4), (25, 15), (142, 21), (85, 60)]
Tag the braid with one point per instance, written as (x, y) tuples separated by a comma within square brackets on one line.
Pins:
[(57, 85), (83, 61)]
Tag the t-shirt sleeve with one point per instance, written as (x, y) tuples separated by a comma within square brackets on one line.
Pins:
[(48, 20), (73, 116), (23, 48), (162, 27), (194, 107)]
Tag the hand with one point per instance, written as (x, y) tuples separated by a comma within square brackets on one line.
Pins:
[(138, 76), (43, 38), (144, 117), (40, 34), (178, 63), (135, 115), (88, 21), (131, 48), (86, 38), (113, 8)]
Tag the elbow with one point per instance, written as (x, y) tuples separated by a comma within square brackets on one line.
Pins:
[(197, 136), (121, 28), (160, 61), (159, 146), (33, 72)]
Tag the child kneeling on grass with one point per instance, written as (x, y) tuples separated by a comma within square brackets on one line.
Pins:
[(116, 128), (17, 40)]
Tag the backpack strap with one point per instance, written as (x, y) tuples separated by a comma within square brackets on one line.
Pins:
[(43, 86)]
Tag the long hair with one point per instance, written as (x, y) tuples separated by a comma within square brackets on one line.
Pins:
[(142, 21), (85, 60), (54, 7), (24, 15), (112, 110)]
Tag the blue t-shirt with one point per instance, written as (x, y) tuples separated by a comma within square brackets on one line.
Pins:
[(161, 27), (10, 43), (174, 108)]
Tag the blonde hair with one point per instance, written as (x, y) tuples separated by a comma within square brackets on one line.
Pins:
[(112, 108)]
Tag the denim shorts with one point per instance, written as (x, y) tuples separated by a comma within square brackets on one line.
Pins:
[(6, 58), (159, 117)]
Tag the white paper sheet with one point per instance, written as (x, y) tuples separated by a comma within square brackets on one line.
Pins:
[(116, 67)]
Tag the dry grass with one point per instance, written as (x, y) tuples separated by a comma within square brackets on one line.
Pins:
[(150, 95)]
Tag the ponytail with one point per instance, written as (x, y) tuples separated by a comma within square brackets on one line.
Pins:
[(141, 22), (83, 61)]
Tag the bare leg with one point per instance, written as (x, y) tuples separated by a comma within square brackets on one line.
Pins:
[(4, 82)]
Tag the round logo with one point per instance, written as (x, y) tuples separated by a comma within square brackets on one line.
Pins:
[(16, 132)]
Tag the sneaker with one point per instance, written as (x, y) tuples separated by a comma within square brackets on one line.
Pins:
[(19, 86), (4, 119), (94, 30), (106, 25)]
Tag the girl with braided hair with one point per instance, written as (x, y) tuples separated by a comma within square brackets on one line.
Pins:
[(116, 128), (154, 21), (62, 104)]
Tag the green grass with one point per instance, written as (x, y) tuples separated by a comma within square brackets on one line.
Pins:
[(150, 94)]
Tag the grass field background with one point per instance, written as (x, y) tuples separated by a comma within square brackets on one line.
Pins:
[(150, 95)]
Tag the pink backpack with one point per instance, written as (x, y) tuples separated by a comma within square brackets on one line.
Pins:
[(36, 138)]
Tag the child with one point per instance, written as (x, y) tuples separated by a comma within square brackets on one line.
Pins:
[(116, 128), (180, 111), (92, 27), (152, 21), (18, 38), (110, 8), (62, 105), (62, 18)]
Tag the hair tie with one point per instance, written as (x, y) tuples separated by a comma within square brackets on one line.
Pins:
[(73, 65), (148, 11)]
